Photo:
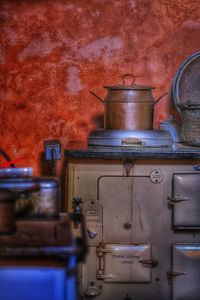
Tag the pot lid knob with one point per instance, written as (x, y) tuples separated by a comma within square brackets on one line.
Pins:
[(126, 78)]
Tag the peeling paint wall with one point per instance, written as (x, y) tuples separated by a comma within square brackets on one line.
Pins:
[(52, 53)]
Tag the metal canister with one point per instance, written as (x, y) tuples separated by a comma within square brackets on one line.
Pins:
[(44, 203)]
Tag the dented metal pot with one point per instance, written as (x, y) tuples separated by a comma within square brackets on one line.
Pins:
[(129, 106)]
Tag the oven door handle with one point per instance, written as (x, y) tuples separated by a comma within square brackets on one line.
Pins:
[(174, 200), (149, 263)]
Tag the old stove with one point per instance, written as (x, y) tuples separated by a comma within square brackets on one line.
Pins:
[(140, 193), (142, 211)]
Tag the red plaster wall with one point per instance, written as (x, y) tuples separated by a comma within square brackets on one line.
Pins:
[(52, 53)]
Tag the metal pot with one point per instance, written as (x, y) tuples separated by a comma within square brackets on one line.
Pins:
[(8, 199), (129, 107), (42, 203)]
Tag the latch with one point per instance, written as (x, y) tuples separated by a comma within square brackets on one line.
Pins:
[(149, 263), (171, 274), (100, 270), (128, 166), (177, 199)]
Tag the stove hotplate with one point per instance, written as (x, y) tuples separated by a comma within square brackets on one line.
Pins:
[(130, 138)]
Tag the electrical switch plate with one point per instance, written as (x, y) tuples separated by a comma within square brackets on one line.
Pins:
[(52, 150)]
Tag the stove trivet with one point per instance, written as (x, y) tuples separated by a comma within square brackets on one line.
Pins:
[(130, 138)]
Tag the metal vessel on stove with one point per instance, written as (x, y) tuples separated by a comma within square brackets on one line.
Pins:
[(128, 106)]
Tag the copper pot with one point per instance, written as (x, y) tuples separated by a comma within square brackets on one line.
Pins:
[(129, 107)]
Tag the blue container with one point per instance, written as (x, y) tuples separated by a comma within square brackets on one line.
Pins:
[(35, 283)]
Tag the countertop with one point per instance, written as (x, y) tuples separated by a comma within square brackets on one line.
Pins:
[(180, 151)]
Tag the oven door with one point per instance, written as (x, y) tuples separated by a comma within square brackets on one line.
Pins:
[(186, 201), (186, 272)]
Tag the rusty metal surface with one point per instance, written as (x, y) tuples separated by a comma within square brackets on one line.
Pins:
[(39, 233)]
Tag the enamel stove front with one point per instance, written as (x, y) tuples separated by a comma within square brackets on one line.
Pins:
[(143, 222)]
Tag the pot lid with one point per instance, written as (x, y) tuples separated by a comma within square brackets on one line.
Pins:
[(186, 87), (16, 172), (25, 183), (130, 86)]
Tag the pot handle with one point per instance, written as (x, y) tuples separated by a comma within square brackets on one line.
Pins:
[(126, 76), (163, 95), (96, 96)]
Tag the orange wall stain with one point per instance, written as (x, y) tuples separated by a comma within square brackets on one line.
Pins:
[(52, 53)]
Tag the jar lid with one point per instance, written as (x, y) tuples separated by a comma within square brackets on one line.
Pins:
[(130, 86), (47, 182)]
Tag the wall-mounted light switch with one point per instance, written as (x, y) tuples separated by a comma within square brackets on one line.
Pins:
[(52, 150)]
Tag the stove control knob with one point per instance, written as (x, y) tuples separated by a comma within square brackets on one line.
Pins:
[(91, 233)]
